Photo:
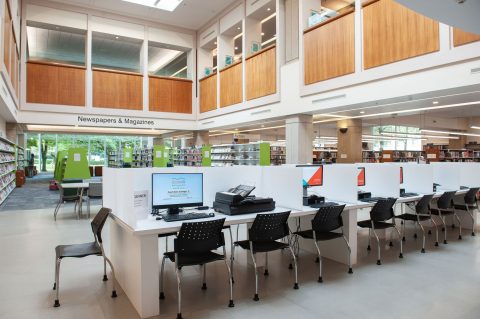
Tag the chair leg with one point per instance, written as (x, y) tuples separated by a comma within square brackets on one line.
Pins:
[(266, 265), (179, 292), (423, 233), (400, 241), (378, 247), (436, 230), (471, 213), (319, 258), (444, 229), (238, 227), (88, 207), (114, 291), (57, 283), (350, 270), (56, 271), (162, 295), (230, 278), (403, 231), (57, 208), (232, 251), (105, 278), (255, 297), (204, 285), (459, 226), (369, 239), (295, 285)]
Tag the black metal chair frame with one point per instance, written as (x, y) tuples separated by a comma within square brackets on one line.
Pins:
[(445, 207), (67, 198), (470, 204), (83, 250), (326, 221), (193, 241), (263, 235)]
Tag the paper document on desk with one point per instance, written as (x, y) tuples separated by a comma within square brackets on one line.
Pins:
[(140, 204)]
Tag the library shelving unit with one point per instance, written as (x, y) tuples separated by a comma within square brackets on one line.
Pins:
[(370, 156), (115, 158), (459, 155), (329, 154), (241, 154), (7, 168), (72, 164), (158, 156), (278, 155), (142, 157), (189, 156), (400, 156), (20, 158)]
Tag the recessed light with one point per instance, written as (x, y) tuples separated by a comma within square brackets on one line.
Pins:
[(238, 28), (263, 33), (215, 42), (236, 129), (435, 102), (236, 48), (362, 112), (263, 125), (268, 9), (116, 38)]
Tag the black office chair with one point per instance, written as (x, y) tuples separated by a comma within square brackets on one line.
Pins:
[(445, 207), (379, 216), (469, 205), (68, 195), (326, 221), (194, 246), (421, 213), (94, 248), (262, 238)]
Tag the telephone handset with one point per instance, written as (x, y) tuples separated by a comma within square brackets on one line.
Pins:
[(242, 190)]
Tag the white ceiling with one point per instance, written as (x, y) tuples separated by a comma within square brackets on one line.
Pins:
[(190, 14)]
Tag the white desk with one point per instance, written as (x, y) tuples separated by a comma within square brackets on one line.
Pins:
[(82, 186)]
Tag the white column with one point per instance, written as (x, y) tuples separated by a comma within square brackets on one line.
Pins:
[(299, 134)]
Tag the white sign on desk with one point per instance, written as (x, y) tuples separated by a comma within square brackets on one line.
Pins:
[(76, 157), (140, 203)]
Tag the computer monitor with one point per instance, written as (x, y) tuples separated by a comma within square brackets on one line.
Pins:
[(401, 175), (176, 190), (312, 175), (361, 177)]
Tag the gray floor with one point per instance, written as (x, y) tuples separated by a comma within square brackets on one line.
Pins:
[(443, 283)]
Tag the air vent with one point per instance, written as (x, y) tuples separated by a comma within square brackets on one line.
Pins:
[(254, 2), (475, 71), (209, 34), (260, 112), (209, 122), (329, 98)]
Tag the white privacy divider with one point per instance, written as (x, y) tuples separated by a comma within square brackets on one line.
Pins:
[(382, 180), (284, 185), (447, 175), (469, 174), (417, 178), (339, 183)]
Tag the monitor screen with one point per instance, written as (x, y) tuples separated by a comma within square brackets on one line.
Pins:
[(312, 176), (361, 177), (401, 175), (170, 190)]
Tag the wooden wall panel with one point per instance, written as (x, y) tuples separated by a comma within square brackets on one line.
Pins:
[(208, 93), (231, 85), (329, 49), (461, 37), (170, 95), (117, 90), (261, 73), (7, 37), (392, 32), (55, 84)]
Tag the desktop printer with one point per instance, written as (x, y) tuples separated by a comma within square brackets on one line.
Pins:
[(237, 201)]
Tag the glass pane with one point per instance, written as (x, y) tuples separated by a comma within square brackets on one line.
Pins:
[(52, 43), (48, 152), (269, 31), (97, 151), (32, 146), (167, 62), (116, 52)]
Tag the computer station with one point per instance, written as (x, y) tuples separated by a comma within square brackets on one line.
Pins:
[(207, 159)]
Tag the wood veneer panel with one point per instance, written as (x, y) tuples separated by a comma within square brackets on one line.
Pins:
[(231, 85), (330, 50), (461, 37), (55, 84), (208, 93), (117, 90), (170, 95), (7, 37), (392, 32), (261, 74)]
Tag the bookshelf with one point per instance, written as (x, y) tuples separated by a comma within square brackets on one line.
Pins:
[(7, 168), (278, 155), (241, 154)]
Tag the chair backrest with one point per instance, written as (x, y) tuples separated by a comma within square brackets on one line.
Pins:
[(446, 200), (99, 221), (67, 192), (423, 205), (95, 189), (328, 218), (195, 238), (268, 227), (471, 196), (383, 210)]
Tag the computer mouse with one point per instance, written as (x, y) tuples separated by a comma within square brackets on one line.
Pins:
[(211, 214)]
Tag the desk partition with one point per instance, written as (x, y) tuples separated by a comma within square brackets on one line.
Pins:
[(417, 178), (447, 175), (381, 180)]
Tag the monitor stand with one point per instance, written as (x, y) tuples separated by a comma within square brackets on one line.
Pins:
[(174, 210)]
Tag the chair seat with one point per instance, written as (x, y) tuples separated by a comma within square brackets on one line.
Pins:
[(436, 211), (78, 250), (465, 206), (262, 247), (70, 198), (377, 225), (321, 236), (413, 217), (191, 260)]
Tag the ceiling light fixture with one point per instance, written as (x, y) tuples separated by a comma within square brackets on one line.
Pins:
[(435, 102), (450, 132), (408, 135), (167, 5)]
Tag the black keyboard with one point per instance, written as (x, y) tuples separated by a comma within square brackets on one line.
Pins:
[(408, 195), (326, 204), (186, 216), (371, 199)]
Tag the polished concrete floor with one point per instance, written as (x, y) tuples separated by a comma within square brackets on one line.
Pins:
[(443, 283)]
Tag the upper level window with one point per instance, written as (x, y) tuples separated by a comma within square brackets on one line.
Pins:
[(399, 138), (163, 60), (116, 52), (51, 43)]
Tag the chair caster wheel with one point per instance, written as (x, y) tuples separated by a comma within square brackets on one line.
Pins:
[(390, 244), (453, 226), (179, 316), (350, 270), (423, 251), (290, 266), (54, 286), (105, 278), (403, 239), (436, 244), (445, 242), (369, 248), (415, 236), (400, 256), (320, 279), (379, 262), (473, 234), (317, 260), (255, 298), (56, 304), (162, 296), (204, 286), (443, 228), (266, 272), (231, 304), (295, 286), (429, 232), (114, 294), (459, 237)]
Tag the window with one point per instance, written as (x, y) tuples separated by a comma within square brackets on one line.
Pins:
[(399, 138), (166, 61), (116, 52), (50, 43)]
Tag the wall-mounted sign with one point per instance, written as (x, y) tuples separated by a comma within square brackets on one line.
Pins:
[(115, 121)]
